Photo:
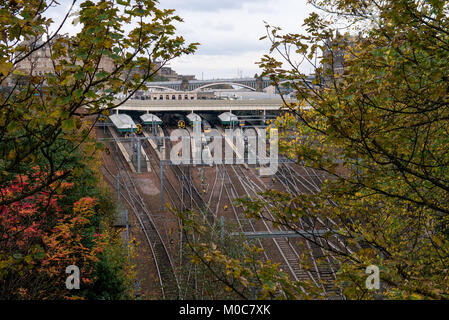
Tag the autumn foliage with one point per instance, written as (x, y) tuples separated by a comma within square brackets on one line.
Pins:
[(39, 238), (373, 123), (53, 211)]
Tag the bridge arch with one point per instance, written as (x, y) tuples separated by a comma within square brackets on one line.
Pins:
[(161, 87), (296, 81), (220, 83)]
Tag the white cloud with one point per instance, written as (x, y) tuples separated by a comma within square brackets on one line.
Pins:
[(207, 5), (228, 32), (218, 66)]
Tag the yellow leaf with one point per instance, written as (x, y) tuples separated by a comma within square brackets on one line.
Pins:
[(5, 67)]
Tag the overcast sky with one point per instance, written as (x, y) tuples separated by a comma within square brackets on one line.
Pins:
[(228, 31)]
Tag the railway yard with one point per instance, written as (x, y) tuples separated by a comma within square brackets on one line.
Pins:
[(212, 188)]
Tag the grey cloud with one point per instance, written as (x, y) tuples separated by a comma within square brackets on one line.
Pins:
[(206, 5), (231, 47), (220, 26)]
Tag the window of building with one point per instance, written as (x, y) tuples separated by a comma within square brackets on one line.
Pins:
[(173, 97)]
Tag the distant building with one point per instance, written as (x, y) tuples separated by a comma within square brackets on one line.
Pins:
[(164, 73), (168, 73), (245, 95), (206, 95), (187, 77), (39, 62), (165, 95), (334, 56)]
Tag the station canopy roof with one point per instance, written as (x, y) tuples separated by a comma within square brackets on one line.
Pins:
[(192, 117), (123, 122), (150, 118), (228, 117)]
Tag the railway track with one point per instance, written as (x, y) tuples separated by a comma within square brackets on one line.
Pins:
[(296, 183), (287, 251), (225, 190), (323, 275), (161, 257), (224, 194), (170, 190), (188, 187), (236, 184)]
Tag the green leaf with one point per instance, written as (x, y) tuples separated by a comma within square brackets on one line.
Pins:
[(101, 75), (17, 256), (68, 124), (79, 75)]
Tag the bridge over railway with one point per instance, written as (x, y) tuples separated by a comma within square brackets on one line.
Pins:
[(202, 105), (254, 84)]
